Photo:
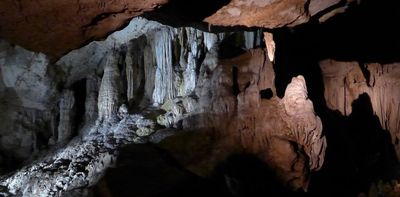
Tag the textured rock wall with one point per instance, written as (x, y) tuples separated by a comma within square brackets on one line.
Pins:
[(74, 23), (71, 23), (28, 95), (345, 81)]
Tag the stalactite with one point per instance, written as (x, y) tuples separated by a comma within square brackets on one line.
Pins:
[(249, 38), (210, 40), (129, 75), (252, 39), (109, 89), (164, 77), (66, 105), (149, 73), (191, 53)]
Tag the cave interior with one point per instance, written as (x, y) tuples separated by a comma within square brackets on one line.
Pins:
[(195, 98)]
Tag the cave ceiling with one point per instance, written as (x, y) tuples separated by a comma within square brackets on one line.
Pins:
[(57, 27)]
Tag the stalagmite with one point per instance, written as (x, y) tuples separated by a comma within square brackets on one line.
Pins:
[(109, 89), (305, 126), (66, 104)]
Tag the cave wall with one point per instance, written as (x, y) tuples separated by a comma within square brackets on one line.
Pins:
[(344, 82)]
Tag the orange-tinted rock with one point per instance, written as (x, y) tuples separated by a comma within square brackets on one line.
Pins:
[(345, 81), (270, 13), (56, 27), (284, 133), (265, 13)]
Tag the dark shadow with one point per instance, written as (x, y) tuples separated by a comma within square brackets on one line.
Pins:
[(266, 94), (153, 172), (247, 175), (193, 10), (179, 13), (235, 87), (79, 89), (359, 151), (364, 33), (230, 47), (145, 170)]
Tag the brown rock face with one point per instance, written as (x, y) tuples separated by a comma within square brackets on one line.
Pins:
[(346, 81), (269, 13), (56, 27), (265, 13), (243, 116)]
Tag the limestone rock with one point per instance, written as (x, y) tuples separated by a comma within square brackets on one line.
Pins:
[(92, 88), (65, 127), (109, 93), (344, 82), (81, 163)]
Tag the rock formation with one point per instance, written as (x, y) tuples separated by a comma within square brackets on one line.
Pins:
[(345, 81), (78, 165), (71, 23), (249, 120), (65, 127), (92, 87), (109, 93), (74, 23)]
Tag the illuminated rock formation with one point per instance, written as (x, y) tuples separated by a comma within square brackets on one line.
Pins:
[(109, 93), (252, 119)]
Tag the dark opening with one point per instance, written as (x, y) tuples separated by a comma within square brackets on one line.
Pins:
[(230, 47), (266, 94), (79, 89)]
